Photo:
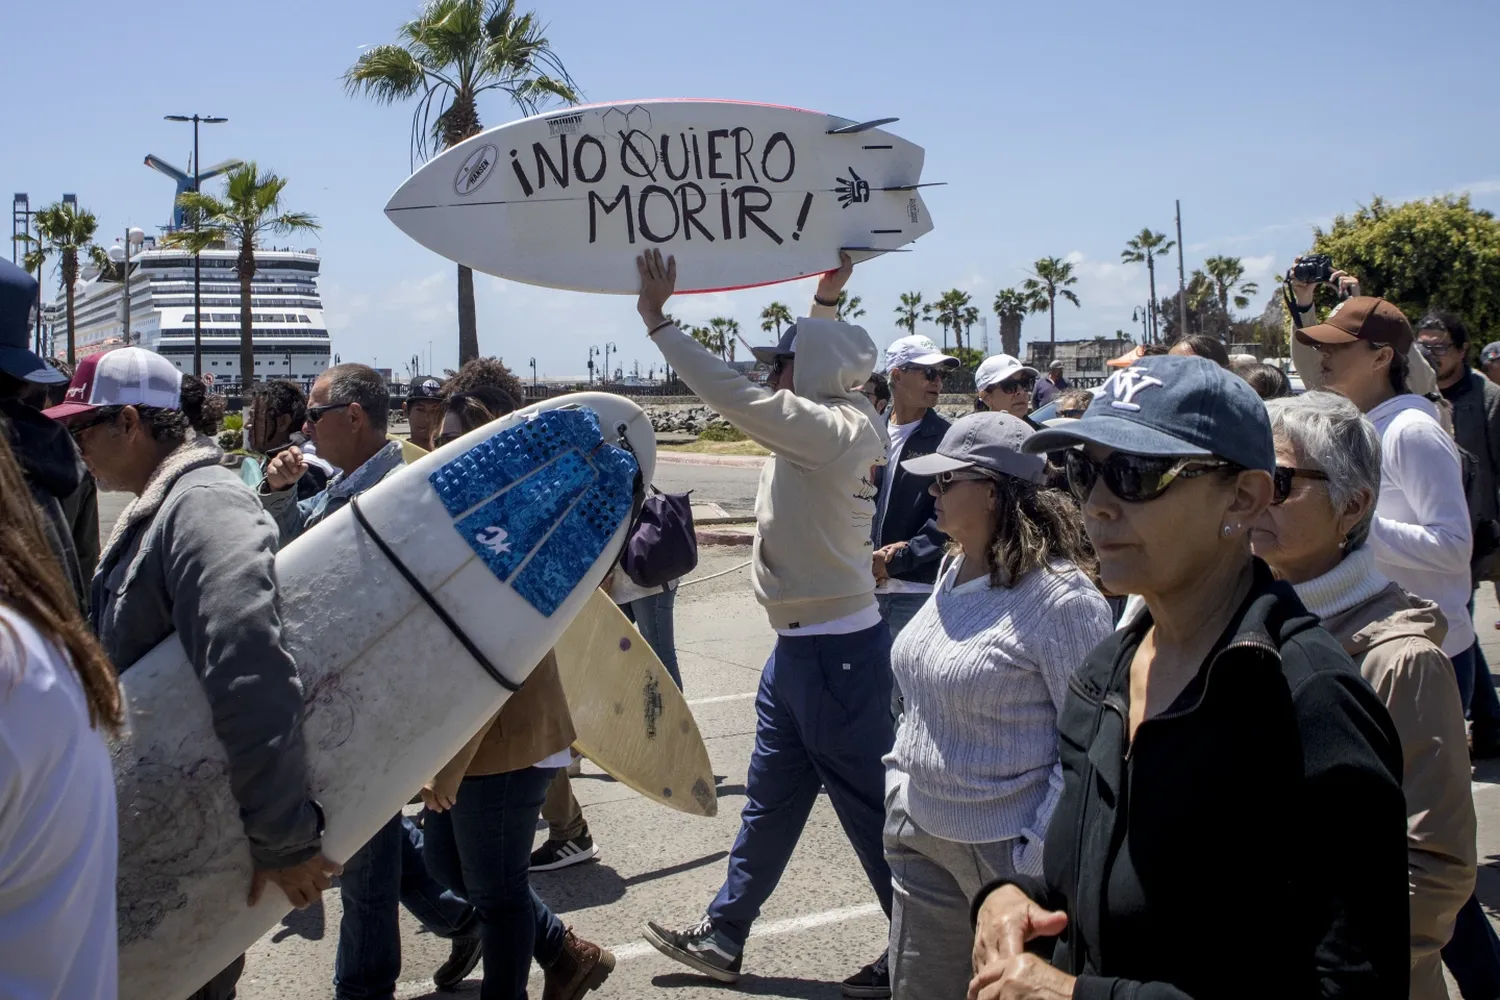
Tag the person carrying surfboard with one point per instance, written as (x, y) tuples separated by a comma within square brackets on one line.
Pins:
[(347, 414), (825, 694), (194, 553)]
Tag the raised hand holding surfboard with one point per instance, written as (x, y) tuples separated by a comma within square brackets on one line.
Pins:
[(758, 193)]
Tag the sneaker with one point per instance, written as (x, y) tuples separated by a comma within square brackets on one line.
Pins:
[(575, 769), (700, 948), (462, 958), (582, 966), (555, 854), (874, 980)]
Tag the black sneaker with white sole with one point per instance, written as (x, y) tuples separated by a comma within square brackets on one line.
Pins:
[(700, 948), (463, 955), (872, 982), (555, 854)]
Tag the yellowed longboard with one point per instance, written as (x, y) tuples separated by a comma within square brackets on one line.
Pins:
[(630, 718)]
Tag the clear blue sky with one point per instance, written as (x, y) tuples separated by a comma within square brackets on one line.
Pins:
[(1062, 128)]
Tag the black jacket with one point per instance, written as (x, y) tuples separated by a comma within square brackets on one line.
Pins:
[(1476, 426), (54, 471), (1252, 840), (905, 514)]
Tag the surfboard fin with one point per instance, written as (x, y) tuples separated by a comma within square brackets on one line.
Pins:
[(913, 187), (878, 249), (861, 126)]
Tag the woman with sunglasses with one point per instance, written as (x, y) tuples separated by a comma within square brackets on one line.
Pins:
[(984, 666), (1314, 536), (1231, 822), (1002, 384)]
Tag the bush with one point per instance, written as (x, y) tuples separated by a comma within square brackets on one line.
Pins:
[(720, 431), (233, 422), (232, 440)]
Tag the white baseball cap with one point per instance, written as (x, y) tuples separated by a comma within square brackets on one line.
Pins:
[(998, 368), (130, 376), (917, 350)]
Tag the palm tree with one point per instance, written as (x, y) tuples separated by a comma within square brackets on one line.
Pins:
[(910, 311), (711, 338), (1225, 273), (726, 330), (454, 51), (1144, 248), (848, 308), (774, 317), (250, 209), (1011, 308), (65, 230), (1049, 281), (951, 311)]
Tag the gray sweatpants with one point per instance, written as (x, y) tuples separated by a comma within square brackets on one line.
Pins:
[(934, 881)]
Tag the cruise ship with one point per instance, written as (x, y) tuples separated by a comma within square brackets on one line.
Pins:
[(289, 333)]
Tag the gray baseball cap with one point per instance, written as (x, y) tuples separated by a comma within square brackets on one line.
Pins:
[(1490, 353), (784, 346), (990, 441)]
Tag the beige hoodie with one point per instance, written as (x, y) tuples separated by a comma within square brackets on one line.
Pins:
[(816, 505), (1394, 637)]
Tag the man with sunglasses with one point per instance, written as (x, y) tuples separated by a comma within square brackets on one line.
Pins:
[(908, 545), (823, 707), (347, 413)]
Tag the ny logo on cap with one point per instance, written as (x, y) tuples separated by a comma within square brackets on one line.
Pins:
[(1125, 384)]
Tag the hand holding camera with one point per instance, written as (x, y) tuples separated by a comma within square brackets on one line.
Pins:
[(1311, 270)]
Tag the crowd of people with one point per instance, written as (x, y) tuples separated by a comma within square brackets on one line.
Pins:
[(1157, 689)]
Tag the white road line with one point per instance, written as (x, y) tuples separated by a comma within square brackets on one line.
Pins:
[(693, 702), (640, 949)]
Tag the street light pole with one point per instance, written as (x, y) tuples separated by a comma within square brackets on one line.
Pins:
[(197, 262), (134, 237), (592, 351), (533, 373), (1181, 278), (608, 347)]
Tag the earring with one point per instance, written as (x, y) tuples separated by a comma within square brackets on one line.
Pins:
[(1227, 530)]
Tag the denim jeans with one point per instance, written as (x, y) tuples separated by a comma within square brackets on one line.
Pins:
[(653, 616), (481, 848), (898, 609), (1463, 669), (823, 720), (385, 874), (1473, 954)]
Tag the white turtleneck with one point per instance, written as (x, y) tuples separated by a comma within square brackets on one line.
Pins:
[(1349, 584)]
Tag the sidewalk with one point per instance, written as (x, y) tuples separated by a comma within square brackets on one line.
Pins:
[(693, 458)]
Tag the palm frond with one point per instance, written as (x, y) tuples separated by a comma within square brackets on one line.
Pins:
[(385, 74), (1071, 296)]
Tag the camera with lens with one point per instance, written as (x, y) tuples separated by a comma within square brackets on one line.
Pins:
[(1313, 269)]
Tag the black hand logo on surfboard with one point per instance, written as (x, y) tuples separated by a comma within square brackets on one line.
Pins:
[(852, 190)]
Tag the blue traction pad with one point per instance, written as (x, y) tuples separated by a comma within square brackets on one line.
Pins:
[(550, 473)]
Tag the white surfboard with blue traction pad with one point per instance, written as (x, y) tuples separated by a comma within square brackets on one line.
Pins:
[(410, 615)]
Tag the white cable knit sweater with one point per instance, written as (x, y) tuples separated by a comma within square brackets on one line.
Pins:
[(984, 671)]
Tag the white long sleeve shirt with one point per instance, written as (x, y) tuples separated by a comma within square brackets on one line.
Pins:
[(1421, 536)]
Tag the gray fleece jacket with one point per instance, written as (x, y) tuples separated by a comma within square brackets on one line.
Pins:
[(196, 554)]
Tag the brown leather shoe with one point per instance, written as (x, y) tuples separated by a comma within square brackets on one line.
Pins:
[(582, 966)]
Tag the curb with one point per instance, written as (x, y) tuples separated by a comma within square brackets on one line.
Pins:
[(690, 458), (721, 536)]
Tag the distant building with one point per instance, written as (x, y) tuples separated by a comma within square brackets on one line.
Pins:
[(1083, 360)]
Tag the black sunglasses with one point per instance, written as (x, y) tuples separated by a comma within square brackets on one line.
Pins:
[(929, 373), (76, 428), (1283, 476), (945, 480), (779, 363), (315, 413), (1133, 478), (1017, 383)]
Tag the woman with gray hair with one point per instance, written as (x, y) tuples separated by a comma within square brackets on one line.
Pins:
[(1313, 536)]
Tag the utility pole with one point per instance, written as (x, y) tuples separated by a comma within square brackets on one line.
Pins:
[(592, 351), (608, 347), (197, 262), (533, 373), (1181, 278)]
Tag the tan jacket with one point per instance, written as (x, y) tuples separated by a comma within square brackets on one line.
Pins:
[(532, 724), (1394, 638)]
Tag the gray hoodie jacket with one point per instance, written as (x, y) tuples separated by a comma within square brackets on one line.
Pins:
[(196, 554)]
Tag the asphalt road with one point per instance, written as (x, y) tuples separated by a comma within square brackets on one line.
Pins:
[(730, 486)]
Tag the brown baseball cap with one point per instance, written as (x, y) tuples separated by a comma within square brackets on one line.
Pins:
[(1363, 317)]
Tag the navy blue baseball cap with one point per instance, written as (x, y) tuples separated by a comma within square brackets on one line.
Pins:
[(785, 347), (17, 297), (1170, 405)]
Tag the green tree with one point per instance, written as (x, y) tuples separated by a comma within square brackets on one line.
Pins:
[(1049, 281), (65, 231), (450, 54), (1144, 248), (1226, 274), (1422, 254), (1011, 307), (1202, 309), (910, 311), (950, 312), (848, 308), (725, 330), (710, 338), (774, 317), (249, 210)]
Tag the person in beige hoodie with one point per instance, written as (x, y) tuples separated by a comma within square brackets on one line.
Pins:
[(1313, 537), (823, 707)]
